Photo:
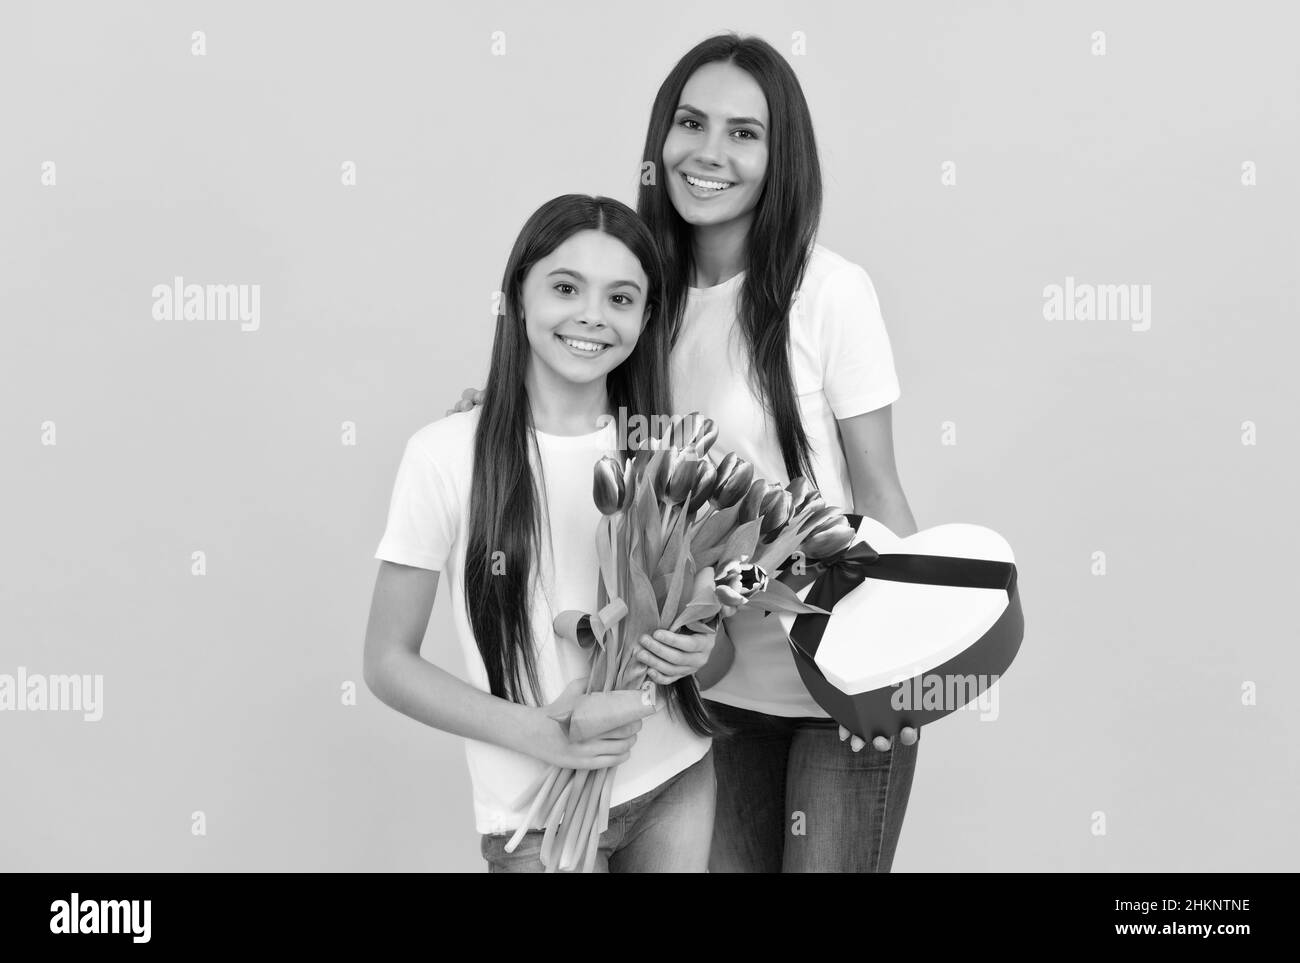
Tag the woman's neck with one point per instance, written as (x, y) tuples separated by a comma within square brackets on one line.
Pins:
[(561, 407), (719, 251)]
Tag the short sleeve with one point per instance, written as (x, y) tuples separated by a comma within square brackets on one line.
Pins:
[(857, 361), (423, 514)]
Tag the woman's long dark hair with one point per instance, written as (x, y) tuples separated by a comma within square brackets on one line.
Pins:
[(780, 238), (504, 513)]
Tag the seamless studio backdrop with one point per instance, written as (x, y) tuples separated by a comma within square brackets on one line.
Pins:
[(192, 506)]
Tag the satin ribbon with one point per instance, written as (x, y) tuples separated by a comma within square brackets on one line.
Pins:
[(850, 568)]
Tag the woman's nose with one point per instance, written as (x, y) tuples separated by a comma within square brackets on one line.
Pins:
[(711, 151)]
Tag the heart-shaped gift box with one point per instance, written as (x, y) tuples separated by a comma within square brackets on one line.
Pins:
[(918, 626)]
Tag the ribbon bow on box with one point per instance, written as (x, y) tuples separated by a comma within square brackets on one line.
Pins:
[(907, 619)]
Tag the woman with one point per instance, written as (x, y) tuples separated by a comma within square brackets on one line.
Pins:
[(500, 499), (782, 344)]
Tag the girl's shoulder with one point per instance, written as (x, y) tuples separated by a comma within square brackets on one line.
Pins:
[(449, 441)]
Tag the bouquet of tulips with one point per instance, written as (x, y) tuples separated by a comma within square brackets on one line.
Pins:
[(682, 544)]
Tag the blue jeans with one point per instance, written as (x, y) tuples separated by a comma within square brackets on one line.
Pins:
[(792, 798), (666, 830)]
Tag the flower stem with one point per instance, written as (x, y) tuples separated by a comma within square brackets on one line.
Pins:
[(540, 800)]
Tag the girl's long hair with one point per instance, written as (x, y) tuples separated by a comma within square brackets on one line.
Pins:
[(504, 505), (780, 238)]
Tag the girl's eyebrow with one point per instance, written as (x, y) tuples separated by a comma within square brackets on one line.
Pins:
[(575, 274), (730, 120)]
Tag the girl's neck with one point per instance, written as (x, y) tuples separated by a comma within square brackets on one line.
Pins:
[(561, 407), (719, 251)]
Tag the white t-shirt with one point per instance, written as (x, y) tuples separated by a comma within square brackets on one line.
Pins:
[(428, 528), (842, 365)]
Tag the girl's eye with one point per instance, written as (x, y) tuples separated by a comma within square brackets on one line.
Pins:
[(687, 121), (749, 134), (565, 285), (626, 300)]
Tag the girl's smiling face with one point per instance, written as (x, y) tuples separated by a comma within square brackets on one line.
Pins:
[(584, 306), (715, 154)]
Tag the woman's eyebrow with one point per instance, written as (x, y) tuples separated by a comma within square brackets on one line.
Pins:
[(730, 120), (576, 274)]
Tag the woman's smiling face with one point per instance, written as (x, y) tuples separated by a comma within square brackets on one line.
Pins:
[(584, 306), (715, 154)]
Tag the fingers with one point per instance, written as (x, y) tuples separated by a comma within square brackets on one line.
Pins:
[(611, 747), (908, 734), (604, 762), (631, 729), (468, 394), (673, 654)]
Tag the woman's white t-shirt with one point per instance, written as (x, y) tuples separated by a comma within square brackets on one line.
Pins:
[(842, 365), (428, 527)]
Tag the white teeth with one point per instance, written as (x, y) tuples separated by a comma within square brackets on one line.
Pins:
[(592, 346), (707, 185)]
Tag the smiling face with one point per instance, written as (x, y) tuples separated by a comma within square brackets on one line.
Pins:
[(584, 307), (715, 154)]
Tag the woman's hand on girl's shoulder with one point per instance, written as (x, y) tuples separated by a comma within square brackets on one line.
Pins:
[(468, 399)]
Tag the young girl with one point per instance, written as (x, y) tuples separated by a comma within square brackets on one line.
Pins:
[(781, 342), (499, 499)]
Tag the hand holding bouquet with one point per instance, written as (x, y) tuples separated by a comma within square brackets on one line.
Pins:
[(681, 543)]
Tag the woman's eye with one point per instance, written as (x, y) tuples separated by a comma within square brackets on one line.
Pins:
[(687, 121), (626, 300), (749, 134), (565, 288)]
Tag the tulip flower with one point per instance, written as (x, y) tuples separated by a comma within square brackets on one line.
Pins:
[(734, 478), (681, 481), (609, 486), (704, 438), (831, 538), (818, 517), (706, 481), (775, 514), (667, 461), (738, 579)]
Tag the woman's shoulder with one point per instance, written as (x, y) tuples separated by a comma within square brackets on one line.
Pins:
[(824, 264), (833, 284)]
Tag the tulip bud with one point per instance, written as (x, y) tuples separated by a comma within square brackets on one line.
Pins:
[(752, 502), (683, 429), (776, 516), (830, 539), (801, 492), (817, 517), (608, 485), (705, 436), (771, 493), (681, 480), (734, 477), (667, 461), (706, 481)]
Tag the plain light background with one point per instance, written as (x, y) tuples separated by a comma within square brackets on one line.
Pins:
[(223, 692)]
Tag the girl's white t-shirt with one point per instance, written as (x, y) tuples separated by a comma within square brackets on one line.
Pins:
[(842, 365), (428, 527)]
